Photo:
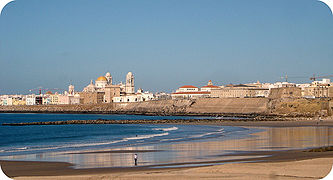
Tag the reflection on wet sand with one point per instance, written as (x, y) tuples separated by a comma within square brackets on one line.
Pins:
[(271, 139)]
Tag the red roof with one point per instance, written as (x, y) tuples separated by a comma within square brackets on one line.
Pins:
[(188, 86), (196, 92), (210, 86)]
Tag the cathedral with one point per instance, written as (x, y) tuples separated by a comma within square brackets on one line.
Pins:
[(103, 82), (104, 91)]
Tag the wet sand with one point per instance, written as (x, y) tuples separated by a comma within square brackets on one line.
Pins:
[(31, 168), (265, 164), (305, 169)]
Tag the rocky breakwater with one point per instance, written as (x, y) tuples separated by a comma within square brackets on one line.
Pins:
[(144, 121)]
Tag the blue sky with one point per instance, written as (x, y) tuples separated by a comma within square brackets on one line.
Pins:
[(165, 43)]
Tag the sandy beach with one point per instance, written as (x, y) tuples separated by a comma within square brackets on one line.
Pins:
[(263, 164), (304, 169)]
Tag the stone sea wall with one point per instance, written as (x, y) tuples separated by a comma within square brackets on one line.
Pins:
[(301, 106), (207, 106)]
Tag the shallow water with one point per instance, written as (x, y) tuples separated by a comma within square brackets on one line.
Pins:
[(39, 139), (47, 143)]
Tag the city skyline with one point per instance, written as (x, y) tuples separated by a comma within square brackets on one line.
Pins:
[(166, 44)]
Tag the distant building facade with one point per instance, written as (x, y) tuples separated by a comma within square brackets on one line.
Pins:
[(319, 89), (139, 96), (193, 92), (240, 91), (91, 97), (111, 91)]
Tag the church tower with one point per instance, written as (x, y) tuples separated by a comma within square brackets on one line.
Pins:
[(71, 89), (210, 83), (109, 78), (129, 87)]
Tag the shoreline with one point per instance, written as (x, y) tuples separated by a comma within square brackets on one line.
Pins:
[(27, 169)]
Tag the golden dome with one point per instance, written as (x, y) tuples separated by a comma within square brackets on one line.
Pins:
[(102, 78)]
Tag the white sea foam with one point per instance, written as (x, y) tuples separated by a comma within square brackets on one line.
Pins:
[(146, 136), (21, 148), (96, 144), (220, 131), (141, 137), (171, 139), (166, 129), (64, 146)]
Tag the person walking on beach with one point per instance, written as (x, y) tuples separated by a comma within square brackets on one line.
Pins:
[(135, 159)]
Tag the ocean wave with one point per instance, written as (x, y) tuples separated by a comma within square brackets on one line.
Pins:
[(140, 137), (220, 131), (62, 146), (166, 129), (21, 148), (146, 136), (97, 144), (175, 139), (14, 149)]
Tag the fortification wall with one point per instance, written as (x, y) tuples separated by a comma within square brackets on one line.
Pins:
[(300, 106), (164, 107), (230, 105), (206, 106)]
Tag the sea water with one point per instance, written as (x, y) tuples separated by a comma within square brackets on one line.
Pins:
[(165, 145), (22, 140)]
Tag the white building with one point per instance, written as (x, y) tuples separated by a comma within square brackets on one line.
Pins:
[(209, 87), (281, 85), (193, 92), (187, 88), (137, 97), (31, 99), (47, 99), (9, 101), (190, 95), (323, 82)]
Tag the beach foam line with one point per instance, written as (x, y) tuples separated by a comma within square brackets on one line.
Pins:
[(146, 136), (97, 144), (166, 129), (20, 149), (63, 146), (220, 131), (171, 139), (14, 149)]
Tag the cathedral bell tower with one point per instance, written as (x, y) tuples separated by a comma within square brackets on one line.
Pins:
[(109, 78), (129, 87)]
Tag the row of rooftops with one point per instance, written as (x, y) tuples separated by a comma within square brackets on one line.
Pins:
[(209, 85), (212, 86)]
